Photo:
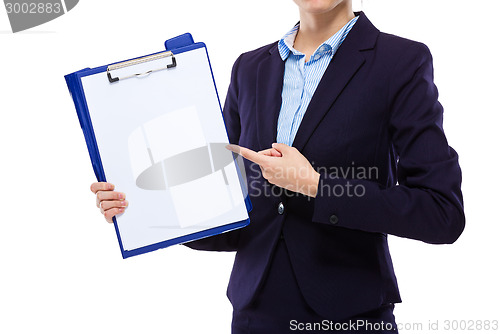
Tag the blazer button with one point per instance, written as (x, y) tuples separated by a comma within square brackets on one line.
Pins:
[(281, 208), (334, 219)]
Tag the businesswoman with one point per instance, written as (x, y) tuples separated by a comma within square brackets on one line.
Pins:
[(342, 134)]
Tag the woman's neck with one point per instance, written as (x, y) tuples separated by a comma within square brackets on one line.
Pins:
[(316, 28)]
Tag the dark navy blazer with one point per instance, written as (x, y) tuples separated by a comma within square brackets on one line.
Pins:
[(376, 108)]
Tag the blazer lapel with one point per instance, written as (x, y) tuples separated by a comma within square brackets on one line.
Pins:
[(344, 65), (268, 98)]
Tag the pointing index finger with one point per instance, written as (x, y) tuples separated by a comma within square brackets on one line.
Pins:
[(248, 154)]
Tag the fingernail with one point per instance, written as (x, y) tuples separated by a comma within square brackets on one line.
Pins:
[(120, 196), (123, 203), (121, 209)]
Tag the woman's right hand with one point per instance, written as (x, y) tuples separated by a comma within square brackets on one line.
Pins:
[(109, 201)]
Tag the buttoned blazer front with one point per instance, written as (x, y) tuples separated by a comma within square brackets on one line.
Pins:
[(373, 130)]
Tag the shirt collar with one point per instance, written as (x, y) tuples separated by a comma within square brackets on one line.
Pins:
[(285, 45)]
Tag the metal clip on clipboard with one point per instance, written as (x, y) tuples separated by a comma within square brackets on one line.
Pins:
[(140, 61)]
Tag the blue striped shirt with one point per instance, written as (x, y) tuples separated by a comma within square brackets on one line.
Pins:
[(301, 78)]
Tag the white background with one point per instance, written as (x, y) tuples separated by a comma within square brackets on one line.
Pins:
[(60, 265)]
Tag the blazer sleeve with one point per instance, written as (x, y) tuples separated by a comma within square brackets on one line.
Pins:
[(427, 203), (226, 241)]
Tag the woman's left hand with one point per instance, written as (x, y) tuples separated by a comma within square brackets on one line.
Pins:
[(283, 166)]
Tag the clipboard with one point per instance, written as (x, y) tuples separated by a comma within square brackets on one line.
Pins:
[(153, 125)]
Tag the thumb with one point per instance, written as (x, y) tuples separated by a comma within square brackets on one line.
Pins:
[(282, 148)]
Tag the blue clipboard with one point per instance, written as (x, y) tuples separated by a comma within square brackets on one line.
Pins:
[(177, 45)]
